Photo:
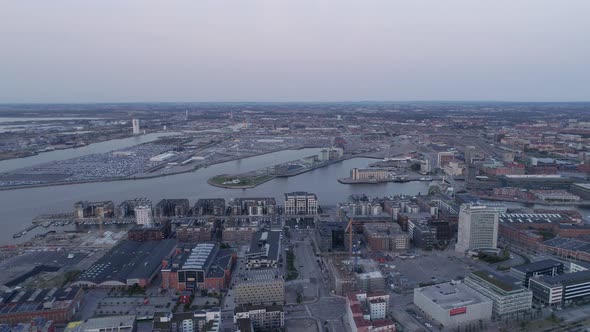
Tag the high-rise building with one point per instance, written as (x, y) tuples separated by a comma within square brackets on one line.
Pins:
[(478, 228), (143, 215), (301, 203), (135, 123), (470, 154)]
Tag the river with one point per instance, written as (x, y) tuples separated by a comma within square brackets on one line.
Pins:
[(20, 206)]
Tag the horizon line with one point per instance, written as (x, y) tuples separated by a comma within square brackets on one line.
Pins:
[(301, 102)]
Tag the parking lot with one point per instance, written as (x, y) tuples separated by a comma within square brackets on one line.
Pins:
[(427, 267)]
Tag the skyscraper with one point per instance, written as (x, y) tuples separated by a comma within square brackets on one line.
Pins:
[(135, 123), (478, 228)]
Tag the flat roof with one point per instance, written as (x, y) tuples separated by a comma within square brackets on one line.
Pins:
[(128, 260), (536, 266), (266, 243), (582, 185), (533, 176), (568, 278), (449, 296), (257, 276), (504, 282), (537, 218), (568, 244), (32, 300), (109, 322)]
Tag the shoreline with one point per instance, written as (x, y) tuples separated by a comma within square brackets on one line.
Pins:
[(146, 177), (298, 172)]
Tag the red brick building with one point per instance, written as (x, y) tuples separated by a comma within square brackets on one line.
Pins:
[(57, 304), (204, 266)]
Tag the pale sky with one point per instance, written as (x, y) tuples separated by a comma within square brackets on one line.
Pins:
[(296, 50)]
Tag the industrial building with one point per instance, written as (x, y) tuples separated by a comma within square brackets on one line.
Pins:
[(535, 181), (128, 263), (301, 203), (265, 286), (561, 289), (209, 207), (478, 228), (163, 157), (24, 305), (123, 323), (581, 189), (204, 266), (260, 317), (265, 250), (453, 304), (369, 173), (506, 292), (547, 267)]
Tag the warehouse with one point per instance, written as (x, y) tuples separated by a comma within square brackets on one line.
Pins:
[(56, 304), (128, 263)]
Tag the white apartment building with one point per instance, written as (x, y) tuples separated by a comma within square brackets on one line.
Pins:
[(478, 228)]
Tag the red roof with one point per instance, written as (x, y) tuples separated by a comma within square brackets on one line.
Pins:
[(383, 323), (356, 309), (361, 322)]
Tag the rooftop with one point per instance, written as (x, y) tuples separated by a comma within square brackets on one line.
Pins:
[(533, 218), (31, 300), (449, 296), (568, 278), (536, 266), (568, 244), (265, 243), (257, 276), (103, 323), (128, 260), (504, 282)]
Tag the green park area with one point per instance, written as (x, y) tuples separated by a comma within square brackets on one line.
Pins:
[(239, 181)]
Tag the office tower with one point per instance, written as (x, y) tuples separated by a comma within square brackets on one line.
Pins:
[(478, 228), (135, 123)]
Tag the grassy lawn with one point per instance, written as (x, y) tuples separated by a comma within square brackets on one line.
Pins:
[(244, 180)]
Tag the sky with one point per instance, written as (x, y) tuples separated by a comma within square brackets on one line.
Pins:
[(293, 50)]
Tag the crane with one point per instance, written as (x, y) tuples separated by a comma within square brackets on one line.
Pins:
[(349, 230), (353, 250)]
